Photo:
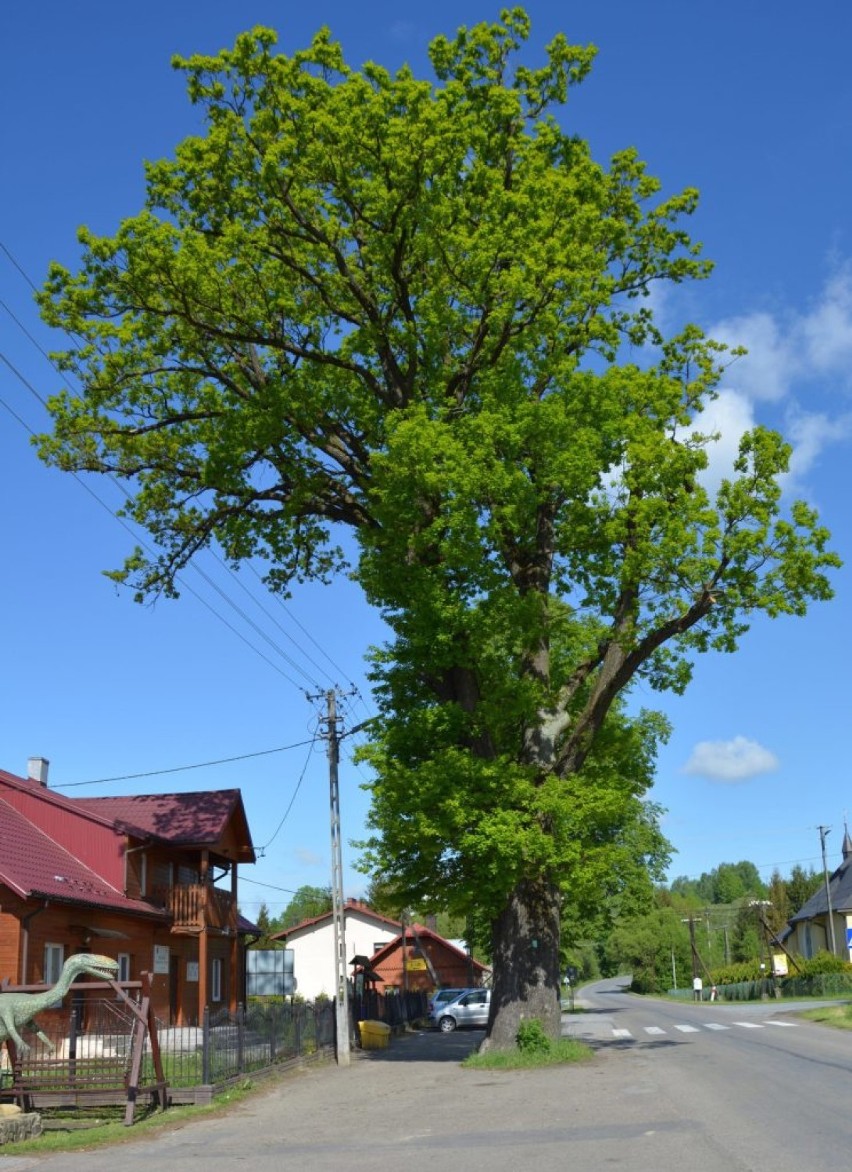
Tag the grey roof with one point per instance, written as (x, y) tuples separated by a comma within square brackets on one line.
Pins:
[(839, 886)]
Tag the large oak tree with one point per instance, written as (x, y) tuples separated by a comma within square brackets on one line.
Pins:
[(416, 309)]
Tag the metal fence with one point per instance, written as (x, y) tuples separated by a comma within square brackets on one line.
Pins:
[(223, 1047), (258, 1035)]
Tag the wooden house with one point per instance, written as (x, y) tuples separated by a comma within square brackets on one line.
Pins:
[(150, 880), (419, 960)]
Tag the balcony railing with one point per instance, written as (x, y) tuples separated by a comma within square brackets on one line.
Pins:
[(198, 905)]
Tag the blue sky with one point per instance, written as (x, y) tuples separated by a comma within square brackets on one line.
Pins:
[(752, 105)]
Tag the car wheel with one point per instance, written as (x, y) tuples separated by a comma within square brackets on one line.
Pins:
[(447, 1024)]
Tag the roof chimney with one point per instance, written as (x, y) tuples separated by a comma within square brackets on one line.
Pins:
[(37, 768)]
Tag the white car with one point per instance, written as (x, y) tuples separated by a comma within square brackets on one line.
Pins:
[(470, 1008)]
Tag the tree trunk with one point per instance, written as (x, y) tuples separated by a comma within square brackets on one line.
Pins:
[(526, 985)]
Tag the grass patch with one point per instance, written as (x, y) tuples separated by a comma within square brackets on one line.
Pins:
[(839, 1016), (101, 1127), (566, 1050)]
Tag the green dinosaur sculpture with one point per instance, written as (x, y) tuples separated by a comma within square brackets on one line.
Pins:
[(17, 1010)]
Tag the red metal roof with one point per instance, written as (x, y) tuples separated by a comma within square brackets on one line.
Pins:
[(413, 931), (32, 864), (196, 819)]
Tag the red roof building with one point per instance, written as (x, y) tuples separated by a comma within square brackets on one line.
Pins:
[(136, 878), (418, 959)]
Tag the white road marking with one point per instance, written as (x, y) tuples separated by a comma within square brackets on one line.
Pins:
[(657, 1031)]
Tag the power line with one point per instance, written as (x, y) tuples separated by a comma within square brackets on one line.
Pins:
[(288, 659), (18, 267), (185, 768), (266, 845), (271, 886), (147, 545)]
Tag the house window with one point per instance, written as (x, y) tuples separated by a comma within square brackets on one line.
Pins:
[(54, 956), (123, 959), (216, 980), (143, 874)]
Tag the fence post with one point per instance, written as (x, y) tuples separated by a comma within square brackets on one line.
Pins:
[(241, 1038), (205, 1047)]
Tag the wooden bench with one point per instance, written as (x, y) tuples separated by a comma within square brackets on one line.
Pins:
[(69, 1081), (40, 1079)]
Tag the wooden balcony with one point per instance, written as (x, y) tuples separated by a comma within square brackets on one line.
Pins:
[(194, 906)]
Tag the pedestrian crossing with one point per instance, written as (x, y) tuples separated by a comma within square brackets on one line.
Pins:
[(716, 1026)]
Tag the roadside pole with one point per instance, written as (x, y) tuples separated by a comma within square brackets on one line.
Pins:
[(341, 982)]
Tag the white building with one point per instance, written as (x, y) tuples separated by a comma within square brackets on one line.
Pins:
[(312, 942)]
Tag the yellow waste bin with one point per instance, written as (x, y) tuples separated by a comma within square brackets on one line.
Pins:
[(374, 1034)]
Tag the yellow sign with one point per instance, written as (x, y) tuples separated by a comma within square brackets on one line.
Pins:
[(779, 964), (415, 965)]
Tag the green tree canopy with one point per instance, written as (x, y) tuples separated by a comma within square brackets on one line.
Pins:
[(801, 885), (417, 308), (307, 903)]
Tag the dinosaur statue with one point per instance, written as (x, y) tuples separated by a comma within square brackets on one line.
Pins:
[(17, 1010)]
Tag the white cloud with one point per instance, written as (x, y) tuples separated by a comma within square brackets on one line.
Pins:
[(809, 435), (785, 351), (827, 330), (730, 416), (730, 761), (788, 347), (766, 372), (307, 858), (404, 31)]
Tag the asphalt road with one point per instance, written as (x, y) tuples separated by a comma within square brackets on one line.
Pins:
[(711, 1088)]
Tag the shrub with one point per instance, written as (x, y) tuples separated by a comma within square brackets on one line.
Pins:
[(823, 962), (531, 1038), (735, 974)]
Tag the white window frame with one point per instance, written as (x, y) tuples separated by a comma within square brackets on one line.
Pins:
[(54, 959), (123, 959), (216, 979)]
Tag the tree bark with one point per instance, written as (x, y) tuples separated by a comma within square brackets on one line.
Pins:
[(525, 954)]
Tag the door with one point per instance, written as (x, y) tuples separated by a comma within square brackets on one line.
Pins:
[(473, 1008)]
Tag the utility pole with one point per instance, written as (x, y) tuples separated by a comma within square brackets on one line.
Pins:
[(823, 832), (341, 983)]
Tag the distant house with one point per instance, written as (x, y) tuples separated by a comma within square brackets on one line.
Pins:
[(808, 930), (312, 942), (396, 958), (135, 878), (419, 959)]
